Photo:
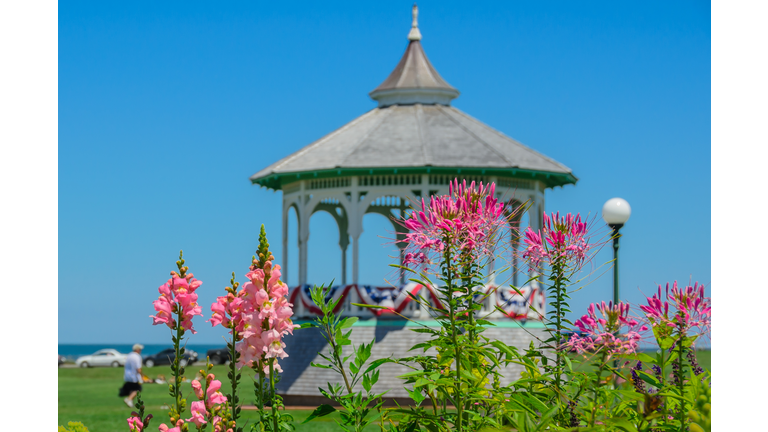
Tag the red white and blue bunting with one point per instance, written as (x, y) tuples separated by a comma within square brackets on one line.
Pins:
[(527, 304)]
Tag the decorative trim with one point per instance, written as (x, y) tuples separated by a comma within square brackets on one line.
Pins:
[(275, 181)]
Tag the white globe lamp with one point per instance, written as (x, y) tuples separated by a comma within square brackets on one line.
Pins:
[(616, 211)]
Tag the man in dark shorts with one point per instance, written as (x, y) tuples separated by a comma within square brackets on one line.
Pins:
[(132, 377)]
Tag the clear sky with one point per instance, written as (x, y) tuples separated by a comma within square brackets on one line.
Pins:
[(166, 109)]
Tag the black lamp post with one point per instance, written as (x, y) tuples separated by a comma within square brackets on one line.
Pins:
[(616, 212)]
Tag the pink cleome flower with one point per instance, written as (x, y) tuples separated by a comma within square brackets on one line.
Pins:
[(561, 239), (691, 309), (613, 333), (465, 220)]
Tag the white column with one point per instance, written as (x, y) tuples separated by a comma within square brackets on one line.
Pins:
[(492, 262), (304, 216), (343, 266), (286, 210), (355, 228)]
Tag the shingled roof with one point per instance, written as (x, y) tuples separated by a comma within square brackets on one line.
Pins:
[(415, 130)]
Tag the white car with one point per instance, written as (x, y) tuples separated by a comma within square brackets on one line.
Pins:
[(105, 357)]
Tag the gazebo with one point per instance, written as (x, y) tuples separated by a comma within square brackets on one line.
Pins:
[(407, 148)]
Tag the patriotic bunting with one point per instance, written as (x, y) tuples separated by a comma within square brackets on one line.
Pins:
[(522, 304)]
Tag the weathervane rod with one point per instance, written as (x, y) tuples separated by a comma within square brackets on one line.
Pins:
[(415, 34)]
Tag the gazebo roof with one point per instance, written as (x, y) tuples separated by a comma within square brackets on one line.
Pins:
[(415, 130)]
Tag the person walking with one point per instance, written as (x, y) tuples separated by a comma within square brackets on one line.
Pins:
[(132, 376)]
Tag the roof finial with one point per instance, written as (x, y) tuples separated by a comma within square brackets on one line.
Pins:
[(415, 34)]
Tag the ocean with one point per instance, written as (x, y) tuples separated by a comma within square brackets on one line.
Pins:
[(73, 351)]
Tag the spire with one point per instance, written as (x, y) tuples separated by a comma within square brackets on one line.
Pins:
[(414, 79), (415, 34)]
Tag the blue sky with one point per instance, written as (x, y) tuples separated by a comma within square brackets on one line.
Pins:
[(166, 109)]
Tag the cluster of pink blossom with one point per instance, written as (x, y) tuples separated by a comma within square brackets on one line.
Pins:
[(208, 405), (136, 424), (560, 239), (615, 333), (164, 428), (260, 313), (466, 218), (227, 311), (177, 296), (266, 317), (693, 309)]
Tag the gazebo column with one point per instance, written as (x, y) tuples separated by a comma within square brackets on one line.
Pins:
[(355, 228), (343, 223), (515, 234), (304, 216), (536, 213), (400, 232), (286, 210), (355, 257)]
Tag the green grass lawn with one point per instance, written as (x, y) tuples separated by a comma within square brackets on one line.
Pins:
[(90, 396), (704, 357)]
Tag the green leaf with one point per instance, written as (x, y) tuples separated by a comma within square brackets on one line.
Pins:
[(424, 330), (321, 411), (650, 379), (317, 365), (348, 322), (376, 363), (412, 373), (369, 306), (623, 424), (416, 395)]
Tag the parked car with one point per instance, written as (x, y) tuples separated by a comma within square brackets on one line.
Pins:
[(167, 356), (62, 360), (104, 357), (219, 355)]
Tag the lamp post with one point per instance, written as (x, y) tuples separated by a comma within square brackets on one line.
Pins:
[(616, 212)]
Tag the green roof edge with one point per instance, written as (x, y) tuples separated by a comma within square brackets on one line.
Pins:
[(550, 179)]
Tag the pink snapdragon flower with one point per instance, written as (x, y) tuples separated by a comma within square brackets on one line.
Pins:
[(465, 220), (561, 239), (197, 388), (135, 424), (615, 332), (213, 395), (164, 428), (261, 314), (177, 296), (198, 413)]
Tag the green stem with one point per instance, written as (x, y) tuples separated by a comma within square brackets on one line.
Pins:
[(275, 412), (337, 357), (662, 384), (557, 271), (680, 385), (177, 370), (233, 371), (598, 384), (261, 394), (454, 338)]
